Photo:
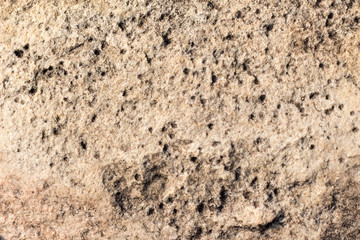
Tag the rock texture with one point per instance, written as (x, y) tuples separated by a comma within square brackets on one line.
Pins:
[(179, 119)]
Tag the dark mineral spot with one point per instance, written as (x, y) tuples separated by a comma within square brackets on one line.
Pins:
[(356, 19), (262, 97), (55, 131), (83, 145), (93, 118), (166, 40), (200, 207), (165, 148), (19, 53), (313, 94), (229, 37), (269, 27), (213, 79), (210, 5), (150, 211), (253, 181), (32, 90), (121, 25), (97, 52), (223, 196)]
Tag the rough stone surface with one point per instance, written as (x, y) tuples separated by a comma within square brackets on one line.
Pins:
[(179, 119)]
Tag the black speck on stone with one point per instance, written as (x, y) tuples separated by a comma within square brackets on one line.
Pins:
[(223, 195), (186, 71), (165, 148), (93, 118), (262, 97), (256, 81), (251, 116), (253, 181), (200, 207), (244, 66), (83, 145), (150, 211), (330, 16), (356, 19), (229, 37), (55, 131), (193, 159), (210, 126), (321, 65), (166, 40), (97, 52), (312, 146), (121, 25), (238, 14), (211, 5), (269, 27), (162, 16), (213, 79), (26, 47), (32, 90), (19, 53), (313, 94)]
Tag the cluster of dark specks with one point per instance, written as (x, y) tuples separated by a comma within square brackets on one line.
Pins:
[(166, 39), (19, 52)]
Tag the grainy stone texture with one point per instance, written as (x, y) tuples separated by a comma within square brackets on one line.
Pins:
[(179, 119)]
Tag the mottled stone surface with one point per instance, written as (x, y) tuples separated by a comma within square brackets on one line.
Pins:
[(179, 119)]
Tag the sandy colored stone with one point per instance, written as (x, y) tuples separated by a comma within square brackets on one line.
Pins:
[(179, 119)]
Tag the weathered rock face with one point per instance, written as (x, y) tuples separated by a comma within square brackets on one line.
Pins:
[(179, 120)]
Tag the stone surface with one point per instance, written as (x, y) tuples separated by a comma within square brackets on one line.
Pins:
[(179, 119)]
